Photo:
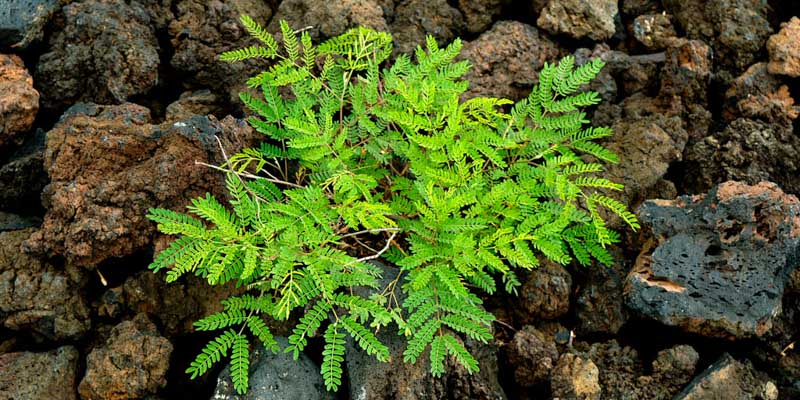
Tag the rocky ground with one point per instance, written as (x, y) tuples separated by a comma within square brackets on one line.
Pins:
[(105, 105)]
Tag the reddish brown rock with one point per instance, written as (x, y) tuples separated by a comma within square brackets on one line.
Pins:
[(757, 94), (580, 18), (36, 298), (506, 60), (731, 380), (49, 375), (653, 30), (108, 166), (415, 19), (329, 18), (532, 356), (19, 101), (132, 363), (784, 49), (479, 14), (544, 293), (687, 71), (200, 102), (576, 377)]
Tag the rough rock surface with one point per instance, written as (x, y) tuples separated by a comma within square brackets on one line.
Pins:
[(19, 101), (202, 30), (50, 375), (506, 60), (37, 298), (719, 262), (748, 151), (731, 380), (544, 294), (329, 18), (414, 19), (199, 102), (687, 71), (13, 222), (784, 49), (22, 177), (576, 377), (639, 7), (757, 94), (479, 15), (106, 53), (580, 18), (108, 165), (599, 306), (653, 30), (132, 363), (276, 377), (532, 356), (22, 21)]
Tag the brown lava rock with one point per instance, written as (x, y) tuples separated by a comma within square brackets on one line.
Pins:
[(506, 60), (757, 94), (580, 18), (730, 379), (532, 356), (19, 101), (479, 14), (132, 363), (37, 298), (784, 49), (653, 30), (34, 376), (106, 53), (108, 166), (415, 19), (544, 293), (329, 18), (576, 377), (199, 102)]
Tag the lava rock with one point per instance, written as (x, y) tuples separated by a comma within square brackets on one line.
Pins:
[(506, 60), (687, 71), (599, 306), (784, 49), (639, 7), (108, 166), (106, 53), (415, 19), (199, 102), (19, 101), (49, 375), (576, 377), (276, 377), (202, 30), (730, 379), (678, 362), (37, 298), (479, 15), (23, 177), (22, 21), (329, 18), (757, 94), (748, 151), (719, 262), (532, 356), (653, 30), (544, 294), (580, 18), (132, 363), (13, 222)]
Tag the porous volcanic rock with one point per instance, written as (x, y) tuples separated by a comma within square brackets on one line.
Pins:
[(718, 263), (106, 53), (687, 71), (506, 60), (748, 151), (37, 298), (480, 14), (544, 294), (22, 21), (50, 375), (639, 7), (19, 101), (276, 377), (653, 30), (329, 18), (202, 30), (532, 356), (784, 49), (599, 305), (199, 102), (108, 166), (580, 18), (576, 377), (415, 19), (23, 177), (730, 379), (132, 363), (758, 94)]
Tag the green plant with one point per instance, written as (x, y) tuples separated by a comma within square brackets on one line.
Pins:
[(362, 162)]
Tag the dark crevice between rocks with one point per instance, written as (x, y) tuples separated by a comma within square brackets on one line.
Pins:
[(169, 85), (179, 384)]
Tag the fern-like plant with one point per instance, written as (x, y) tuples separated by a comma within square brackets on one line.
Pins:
[(365, 158)]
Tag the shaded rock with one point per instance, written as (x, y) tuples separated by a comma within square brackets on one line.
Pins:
[(132, 363), (719, 262), (506, 60), (757, 94), (107, 52), (48, 375), (687, 71), (200, 102), (479, 15), (22, 21), (23, 177), (13, 222), (544, 293), (532, 356), (678, 362), (638, 73), (35, 297), (730, 379), (415, 19), (748, 151), (653, 30), (575, 377), (202, 30), (599, 305), (639, 7), (108, 165), (19, 101), (276, 377), (736, 29), (784, 49), (580, 18), (329, 18)]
